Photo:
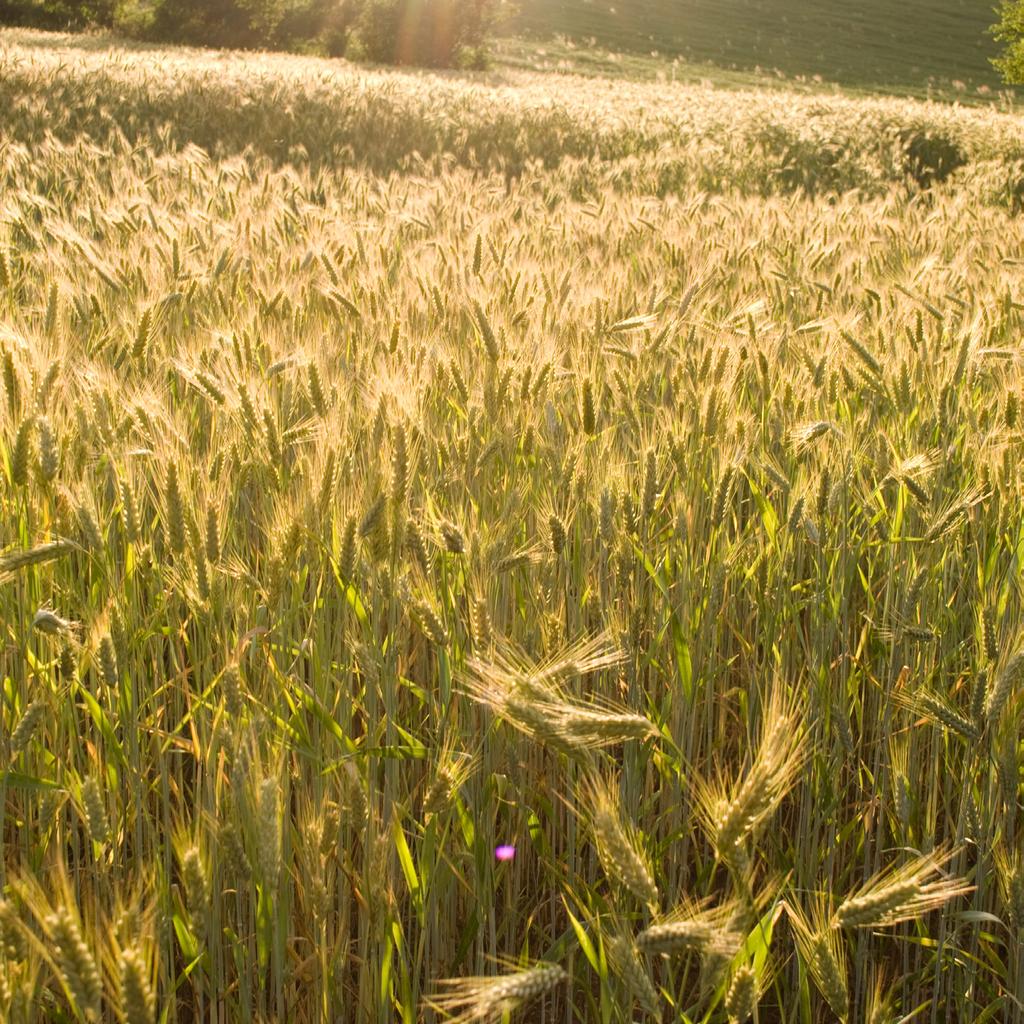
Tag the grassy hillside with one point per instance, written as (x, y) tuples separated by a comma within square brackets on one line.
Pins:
[(871, 41)]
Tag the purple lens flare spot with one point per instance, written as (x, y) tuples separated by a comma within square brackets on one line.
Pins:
[(504, 852)]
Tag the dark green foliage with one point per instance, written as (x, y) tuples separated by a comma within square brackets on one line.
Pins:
[(1015, 194), (323, 23), (245, 24), (930, 156), (209, 22), (58, 14), (1010, 30), (432, 33)]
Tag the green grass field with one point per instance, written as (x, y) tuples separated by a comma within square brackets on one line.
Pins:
[(871, 42), (500, 548)]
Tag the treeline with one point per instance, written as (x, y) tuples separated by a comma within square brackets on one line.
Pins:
[(433, 33)]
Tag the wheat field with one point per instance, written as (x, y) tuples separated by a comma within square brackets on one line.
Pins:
[(474, 550)]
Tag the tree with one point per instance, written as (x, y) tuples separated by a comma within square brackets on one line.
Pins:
[(1010, 30), (232, 23), (247, 24), (433, 33)]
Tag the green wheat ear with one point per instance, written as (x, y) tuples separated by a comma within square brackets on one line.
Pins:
[(823, 952), (742, 996), (197, 891), (76, 963), (137, 995), (624, 960)]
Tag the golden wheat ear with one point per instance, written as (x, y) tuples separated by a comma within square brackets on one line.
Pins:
[(486, 999), (901, 893), (617, 840), (823, 952), (733, 811), (533, 697), (692, 927)]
